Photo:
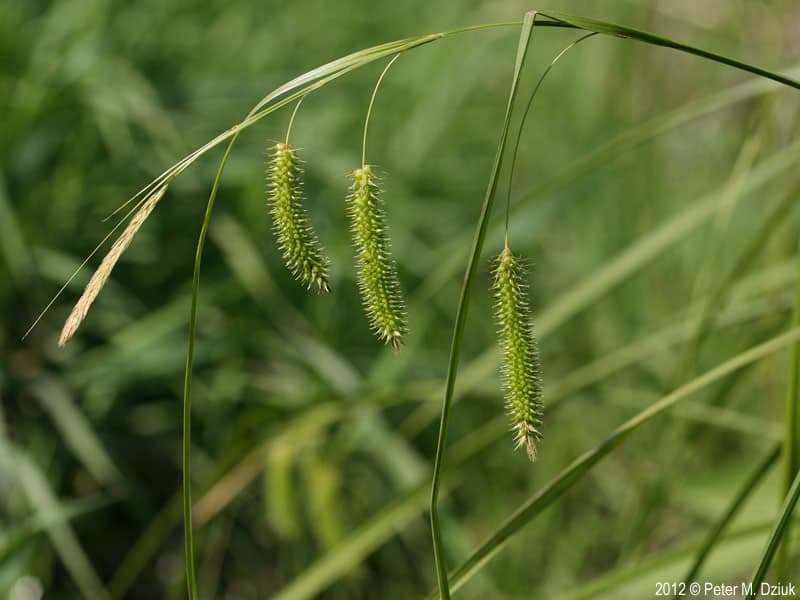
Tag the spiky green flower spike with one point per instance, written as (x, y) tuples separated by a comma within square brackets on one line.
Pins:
[(520, 368), (377, 274), (300, 247)]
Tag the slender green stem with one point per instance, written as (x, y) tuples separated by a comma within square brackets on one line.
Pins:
[(525, 117), (715, 534), (461, 314), (191, 580), (778, 532), (369, 110), (791, 443), (291, 119)]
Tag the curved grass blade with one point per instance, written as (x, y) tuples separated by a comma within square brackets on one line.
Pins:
[(791, 441), (661, 567), (716, 532), (778, 531), (307, 82), (657, 40), (583, 464)]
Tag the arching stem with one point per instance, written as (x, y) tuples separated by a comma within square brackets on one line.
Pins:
[(291, 119), (369, 110), (525, 117)]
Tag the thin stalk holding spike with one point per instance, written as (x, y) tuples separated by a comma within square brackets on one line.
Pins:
[(377, 272), (525, 118), (186, 452), (369, 110)]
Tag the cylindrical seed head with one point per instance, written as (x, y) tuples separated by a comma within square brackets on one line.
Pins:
[(302, 252)]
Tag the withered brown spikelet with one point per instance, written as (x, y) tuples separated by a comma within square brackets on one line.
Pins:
[(300, 247), (102, 273), (377, 274), (521, 373)]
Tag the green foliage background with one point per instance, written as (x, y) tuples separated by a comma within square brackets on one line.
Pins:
[(313, 442)]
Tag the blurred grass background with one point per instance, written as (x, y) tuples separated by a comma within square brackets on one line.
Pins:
[(655, 198)]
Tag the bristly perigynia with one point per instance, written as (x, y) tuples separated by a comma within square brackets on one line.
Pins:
[(377, 273), (520, 369), (301, 249)]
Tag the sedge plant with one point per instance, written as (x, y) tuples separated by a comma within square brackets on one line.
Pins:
[(379, 282)]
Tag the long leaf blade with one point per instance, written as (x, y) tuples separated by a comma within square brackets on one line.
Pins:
[(657, 40)]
